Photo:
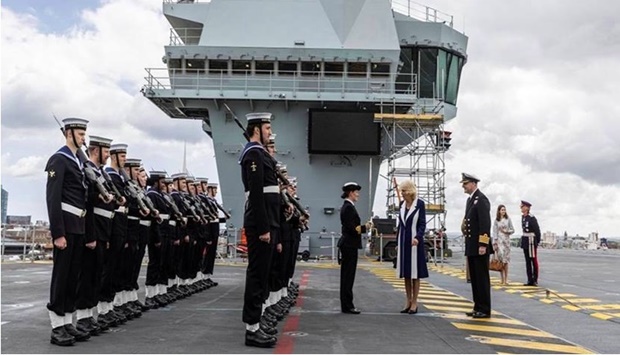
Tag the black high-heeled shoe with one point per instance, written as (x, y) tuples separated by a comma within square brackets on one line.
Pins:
[(413, 311), (406, 310)]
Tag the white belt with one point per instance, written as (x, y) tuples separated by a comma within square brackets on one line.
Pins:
[(133, 218), (529, 234), (145, 223), (172, 223), (164, 216), (273, 189), (73, 210), (103, 213), (121, 209)]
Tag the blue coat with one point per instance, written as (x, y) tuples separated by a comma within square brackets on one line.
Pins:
[(408, 264)]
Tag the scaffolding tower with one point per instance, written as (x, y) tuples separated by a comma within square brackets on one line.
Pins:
[(415, 145)]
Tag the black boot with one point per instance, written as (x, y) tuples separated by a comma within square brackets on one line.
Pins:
[(102, 327), (267, 329), (85, 326), (78, 335), (61, 337), (259, 339)]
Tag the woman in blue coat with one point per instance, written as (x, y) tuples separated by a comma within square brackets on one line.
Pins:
[(410, 259)]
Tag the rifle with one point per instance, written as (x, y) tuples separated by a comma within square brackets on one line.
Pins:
[(88, 170), (189, 207), (200, 208), (208, 205), (219, 207), (175, 209), (108, 179), (144, 203)]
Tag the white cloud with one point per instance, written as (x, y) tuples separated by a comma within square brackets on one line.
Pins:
[(537, 104), (95, 71)]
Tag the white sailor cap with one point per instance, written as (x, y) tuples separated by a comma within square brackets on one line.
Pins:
[(292, 180), (157, 174), (75, 123), (351, 186), (202, 180), (96, 141), (167, 180), (189, 178), (133, 163), (212, 184), (178, 176), (118, 148), (258, 117), (468, 178)]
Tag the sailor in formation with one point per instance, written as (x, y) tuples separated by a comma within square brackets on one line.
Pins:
[(66, 207), (104, 219)]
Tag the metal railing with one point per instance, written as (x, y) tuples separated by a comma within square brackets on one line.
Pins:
[(281, 84), (183, 36), (422, 12)]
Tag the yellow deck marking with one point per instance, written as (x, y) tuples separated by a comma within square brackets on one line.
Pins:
[(602, 316), (449, 309), (450, 298), (482, 320), (603, 307), (463, 303), (504, 330), (534, 345)]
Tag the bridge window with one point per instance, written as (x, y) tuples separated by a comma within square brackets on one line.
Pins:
[(379, 69), (428, 73), (218, 67), (264, 67), (241, 66), (194, 65), (310, 68), (174, 63), (287, 68), (357, 69), (334, 69)]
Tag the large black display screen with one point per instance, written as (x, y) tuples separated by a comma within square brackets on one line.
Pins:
[(343, 132)]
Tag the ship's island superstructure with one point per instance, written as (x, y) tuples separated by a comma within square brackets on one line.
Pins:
[(350, 83)]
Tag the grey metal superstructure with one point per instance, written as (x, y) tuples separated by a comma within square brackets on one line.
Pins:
[(294, 58)]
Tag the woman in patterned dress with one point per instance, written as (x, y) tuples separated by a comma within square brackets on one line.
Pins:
[(502, 229), (410, 259)]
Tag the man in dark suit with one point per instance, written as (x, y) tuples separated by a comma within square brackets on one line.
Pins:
[(476, 228), (349, 243)]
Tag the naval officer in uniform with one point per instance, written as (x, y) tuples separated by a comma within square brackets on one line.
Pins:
[(476, 228), (349, 244), (529, 243), (66, 208), (260, 221)]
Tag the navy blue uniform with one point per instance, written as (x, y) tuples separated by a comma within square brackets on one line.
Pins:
[(529, 244), (349, 244), (476, 228), (262, 212), (66, 207), (98, 219)]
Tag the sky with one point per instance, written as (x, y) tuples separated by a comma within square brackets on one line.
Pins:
[(538, 109)]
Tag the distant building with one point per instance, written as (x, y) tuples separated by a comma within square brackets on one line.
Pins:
[(18, 220), (5, 203), (549, 240)]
